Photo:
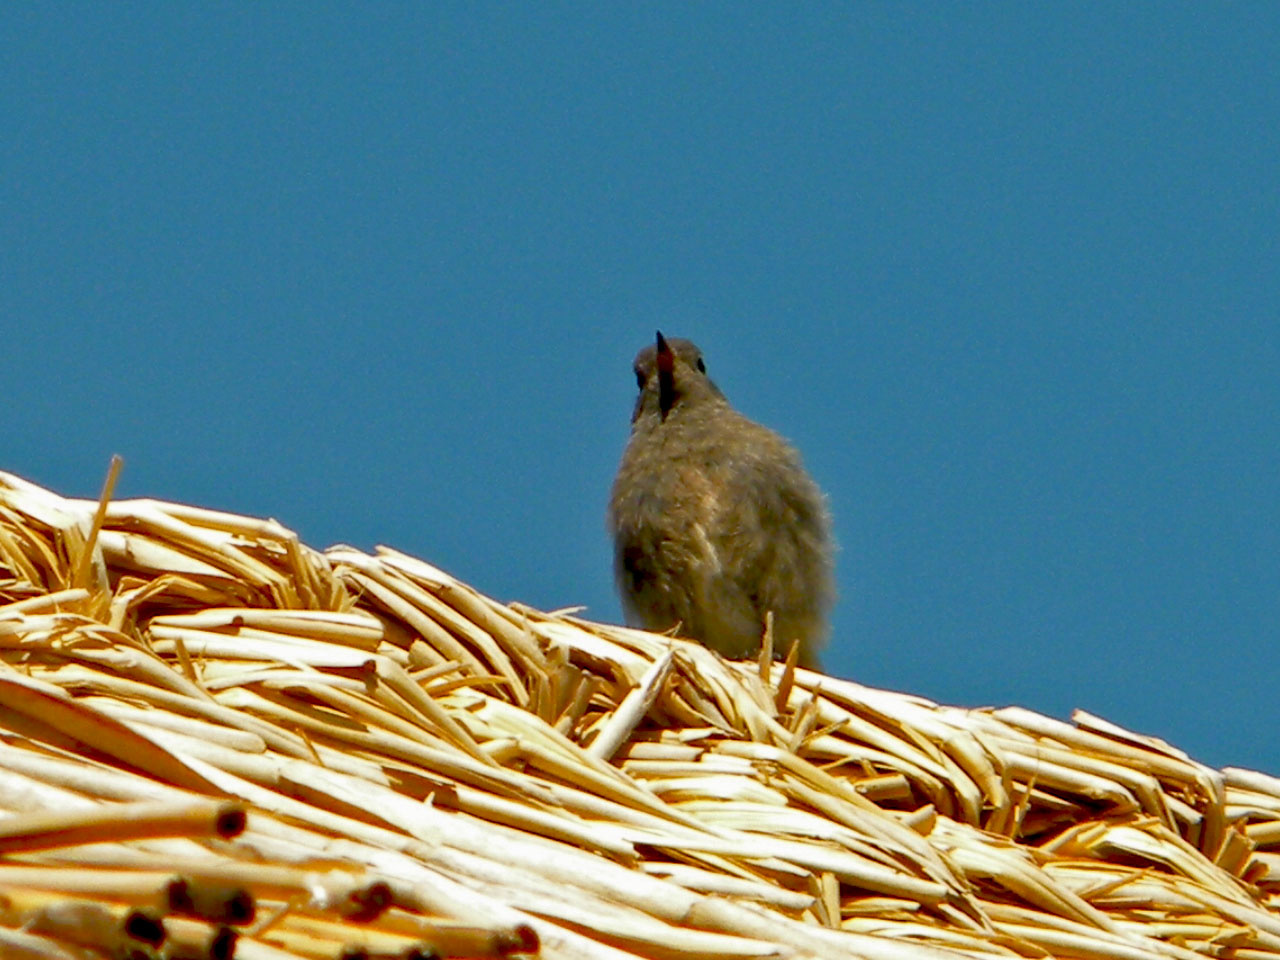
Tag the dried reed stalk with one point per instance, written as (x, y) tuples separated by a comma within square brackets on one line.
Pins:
[(216, 742)]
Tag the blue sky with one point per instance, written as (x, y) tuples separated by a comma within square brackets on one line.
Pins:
[(1007, 274)]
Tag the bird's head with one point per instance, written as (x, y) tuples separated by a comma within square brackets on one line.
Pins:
[(672, 377)]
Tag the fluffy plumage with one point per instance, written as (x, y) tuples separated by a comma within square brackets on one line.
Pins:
[(714, 519)]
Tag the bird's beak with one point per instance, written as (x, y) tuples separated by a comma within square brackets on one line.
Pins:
[(666, 376)]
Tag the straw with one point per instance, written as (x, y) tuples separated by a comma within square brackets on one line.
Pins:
[(216, 741)]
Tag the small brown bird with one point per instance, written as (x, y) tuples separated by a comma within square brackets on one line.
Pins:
[(714, 520)]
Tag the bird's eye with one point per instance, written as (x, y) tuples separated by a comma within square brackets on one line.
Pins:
[(640, 378), (702, 367)]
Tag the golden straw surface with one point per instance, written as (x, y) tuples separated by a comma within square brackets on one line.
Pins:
[(217, 742)]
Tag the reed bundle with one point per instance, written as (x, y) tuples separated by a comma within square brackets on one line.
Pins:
[(216, 741)]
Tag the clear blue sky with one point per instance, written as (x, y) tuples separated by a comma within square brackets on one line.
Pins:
[(1007, 274)]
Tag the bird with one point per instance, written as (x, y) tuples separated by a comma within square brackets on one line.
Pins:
[(714, 520)]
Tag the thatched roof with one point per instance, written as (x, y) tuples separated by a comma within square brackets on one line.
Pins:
[(216, 741)]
